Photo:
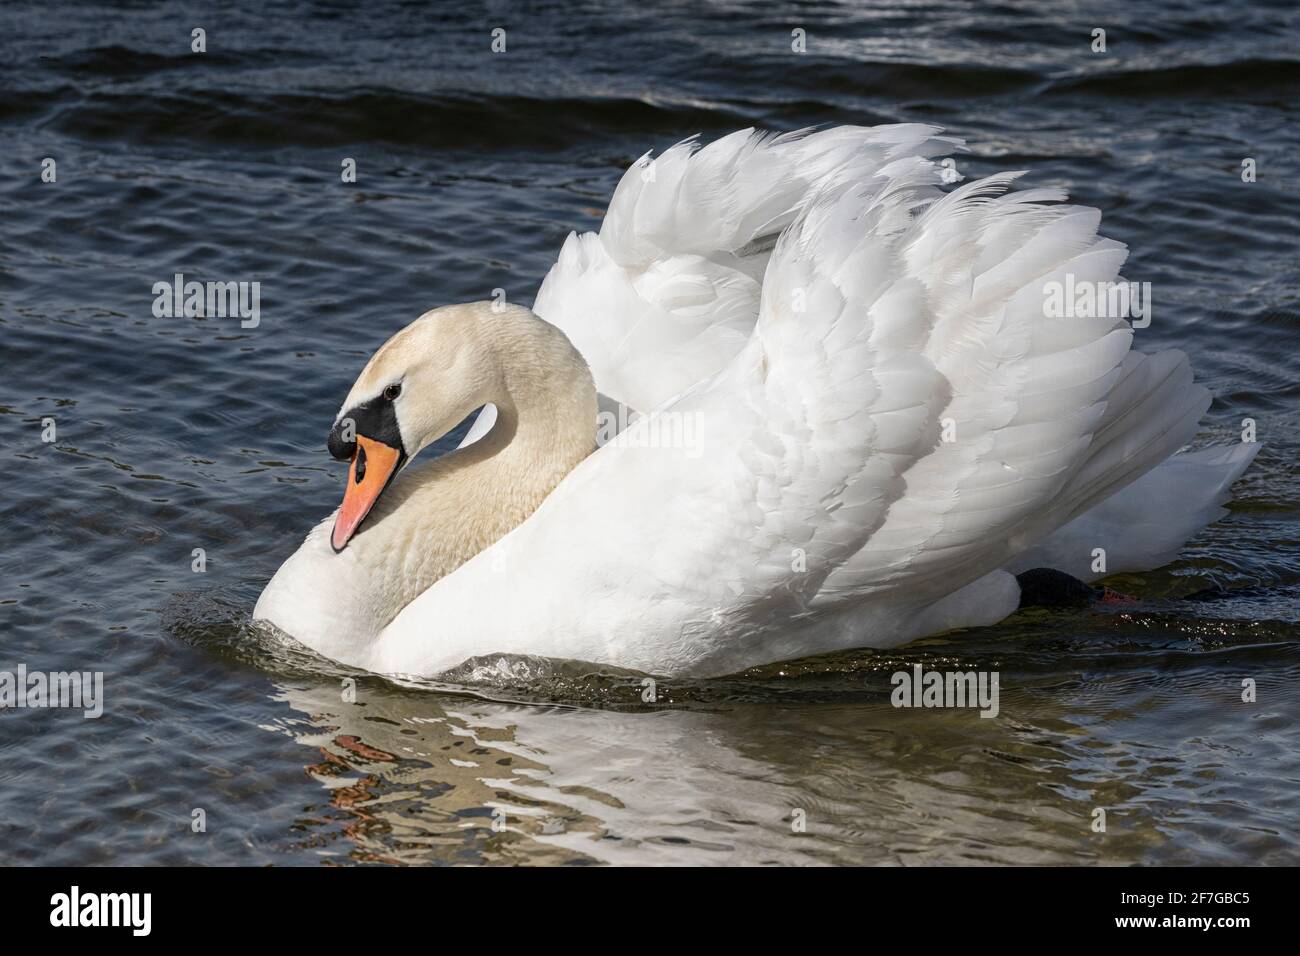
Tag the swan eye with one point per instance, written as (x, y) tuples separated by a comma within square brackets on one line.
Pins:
[(391, 392)]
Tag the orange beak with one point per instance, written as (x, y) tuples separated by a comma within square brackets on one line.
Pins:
[(373, 466)]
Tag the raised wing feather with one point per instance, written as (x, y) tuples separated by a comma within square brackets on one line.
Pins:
[(668, 291)]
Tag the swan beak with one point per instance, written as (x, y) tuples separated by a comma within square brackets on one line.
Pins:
[(373, 466)]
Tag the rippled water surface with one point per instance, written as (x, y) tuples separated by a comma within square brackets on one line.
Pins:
[(176, 434)]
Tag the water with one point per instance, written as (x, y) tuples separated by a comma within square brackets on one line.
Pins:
[(176, 434)]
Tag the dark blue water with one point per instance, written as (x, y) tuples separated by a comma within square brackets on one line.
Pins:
[(182, 433)]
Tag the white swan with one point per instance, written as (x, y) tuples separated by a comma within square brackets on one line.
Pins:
[(854, 433)]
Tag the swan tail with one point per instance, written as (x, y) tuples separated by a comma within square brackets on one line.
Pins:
[(1144, 525)]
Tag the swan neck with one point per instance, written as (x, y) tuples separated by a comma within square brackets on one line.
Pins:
[(439, 514)]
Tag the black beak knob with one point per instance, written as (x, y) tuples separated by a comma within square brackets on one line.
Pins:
[(341, 448)]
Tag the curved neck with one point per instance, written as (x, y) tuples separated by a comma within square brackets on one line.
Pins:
[(439, 514)]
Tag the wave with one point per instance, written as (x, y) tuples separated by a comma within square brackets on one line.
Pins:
[(363, 116), (117, 93), (1215, 81), (120, 62)]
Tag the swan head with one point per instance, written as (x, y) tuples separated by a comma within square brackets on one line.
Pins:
[(433, 374), (422, 383)]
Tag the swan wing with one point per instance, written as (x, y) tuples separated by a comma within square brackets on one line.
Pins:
[(979, 424), (668, 291)]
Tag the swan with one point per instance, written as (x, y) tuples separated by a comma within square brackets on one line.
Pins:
[(843, 421)]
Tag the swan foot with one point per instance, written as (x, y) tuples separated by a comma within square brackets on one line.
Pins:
[(1048, 587)]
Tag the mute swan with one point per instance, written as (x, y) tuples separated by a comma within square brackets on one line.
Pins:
[(858, 426)]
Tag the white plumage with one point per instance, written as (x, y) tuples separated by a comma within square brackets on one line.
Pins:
[(883, 424)]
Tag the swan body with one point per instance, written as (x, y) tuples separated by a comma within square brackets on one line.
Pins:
[(853, 423)]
